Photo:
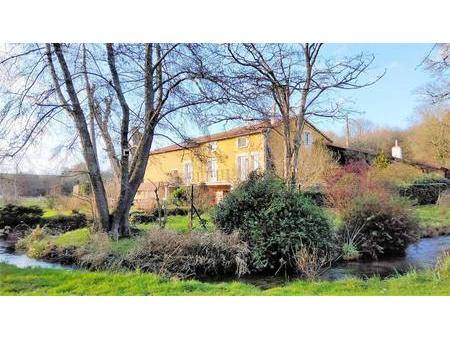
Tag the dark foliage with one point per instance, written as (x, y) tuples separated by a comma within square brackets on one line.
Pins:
[(274, 220), (182, 211), (425, 190), (316, 196), (381, 227), (179, 196), (64, 223), (139, 217), (12, 215)]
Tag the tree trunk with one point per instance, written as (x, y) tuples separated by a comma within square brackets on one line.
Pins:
[(297, 147), (90, 158)]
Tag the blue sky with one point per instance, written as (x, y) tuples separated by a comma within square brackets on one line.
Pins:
[(392, 101)]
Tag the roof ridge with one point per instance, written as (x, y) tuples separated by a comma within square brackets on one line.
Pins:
[(233, 132)]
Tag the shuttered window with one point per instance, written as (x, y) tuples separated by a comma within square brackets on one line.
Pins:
[(188, 172), (212, 170)]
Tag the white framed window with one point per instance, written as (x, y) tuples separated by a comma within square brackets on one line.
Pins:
[(243, 166), (307, 138), (254, 157), (212, 146), (187, 167), (212, 170), (242, 142)]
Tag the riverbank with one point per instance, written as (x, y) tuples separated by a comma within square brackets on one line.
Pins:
[(46, 282)]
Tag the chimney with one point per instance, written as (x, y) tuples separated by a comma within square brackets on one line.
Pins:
[(397, 151), (272, 117)]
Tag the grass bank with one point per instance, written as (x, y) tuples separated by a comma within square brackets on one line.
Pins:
[(433, 215), (180, 223), (39, 282), (39, 242), (433, 219)]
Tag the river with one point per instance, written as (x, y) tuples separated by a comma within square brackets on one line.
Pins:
[(421, 255)]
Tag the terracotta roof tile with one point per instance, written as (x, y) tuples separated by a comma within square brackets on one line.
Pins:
[(235, 132)]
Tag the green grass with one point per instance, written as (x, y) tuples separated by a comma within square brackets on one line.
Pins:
[(179, 223), (42, 203), (79, 237), (49, 213), (122, 246), (433, 215), (428, 216), (36, 245), (38, 281)]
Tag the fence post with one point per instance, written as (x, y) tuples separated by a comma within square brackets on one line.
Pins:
[(192, 208)]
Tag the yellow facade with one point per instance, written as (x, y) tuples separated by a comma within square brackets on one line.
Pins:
[(171, 166), (276, 144), (232, 161)]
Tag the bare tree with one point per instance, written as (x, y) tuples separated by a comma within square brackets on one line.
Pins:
[(437, 63), (124, 88), (293, 82)]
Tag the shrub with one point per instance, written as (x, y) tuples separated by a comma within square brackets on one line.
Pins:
[(343, 190), (139, 217), (97, 254), (349, 251), (191, 254), (65, 223), (381, 161), (37, 234), (273, 220), (50, 201), (316, 196), (345, 183), (179, 196), (396, 174), (312, 262), (378, 226), (12, 215), (178, 211), (350, 181), (62, 248), (426, 189)]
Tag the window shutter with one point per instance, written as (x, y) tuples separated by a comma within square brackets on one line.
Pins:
[(239, 167)]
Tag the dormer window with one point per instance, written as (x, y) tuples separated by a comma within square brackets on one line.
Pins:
[(212, 146), (242, 142)]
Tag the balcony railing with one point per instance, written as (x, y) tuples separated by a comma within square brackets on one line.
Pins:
[(210, 176), (215, 176)]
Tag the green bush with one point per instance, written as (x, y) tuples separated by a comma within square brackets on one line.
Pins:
[(425, 190), (139, 217), (275, 221), (316, 196), (12, 215), (381, 161), (179, 196), (379, 226), (177, 211)]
